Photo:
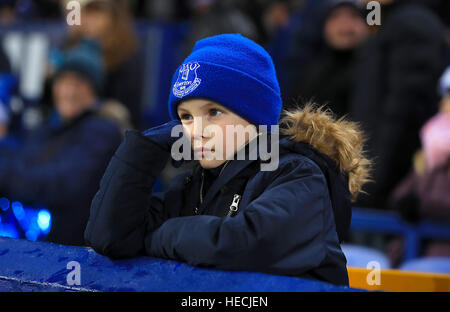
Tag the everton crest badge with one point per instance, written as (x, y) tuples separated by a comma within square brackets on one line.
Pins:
[(187, 80)]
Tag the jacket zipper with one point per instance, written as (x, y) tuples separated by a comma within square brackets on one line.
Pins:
[(234, 205), (196, 210)]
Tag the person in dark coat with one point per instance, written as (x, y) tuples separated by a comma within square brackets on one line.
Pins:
[(283, 211), (395, 92), (111, 24), (329, 78), (214, 17), (60, 164)]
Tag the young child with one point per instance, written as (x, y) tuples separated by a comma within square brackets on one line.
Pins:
[(228, 213)]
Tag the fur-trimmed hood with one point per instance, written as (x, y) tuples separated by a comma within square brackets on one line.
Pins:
[(340, 140)]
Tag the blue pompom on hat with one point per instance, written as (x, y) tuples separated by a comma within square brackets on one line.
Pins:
[(233, 71)]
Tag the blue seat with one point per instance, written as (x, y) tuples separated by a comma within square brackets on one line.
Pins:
[(360, 256), (429, 265)]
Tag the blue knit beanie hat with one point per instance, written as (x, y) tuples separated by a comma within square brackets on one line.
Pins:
[(233, 71)]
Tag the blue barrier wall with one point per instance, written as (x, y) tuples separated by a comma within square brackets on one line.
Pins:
[(389, 222), (41, 266)]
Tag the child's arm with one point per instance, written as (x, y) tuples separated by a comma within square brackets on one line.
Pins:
[(286, 230), (123, 209)]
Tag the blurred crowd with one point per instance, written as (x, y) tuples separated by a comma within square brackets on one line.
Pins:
[(392, 78)]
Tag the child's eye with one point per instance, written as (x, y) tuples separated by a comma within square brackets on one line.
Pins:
[(214, 112), (186, 117)]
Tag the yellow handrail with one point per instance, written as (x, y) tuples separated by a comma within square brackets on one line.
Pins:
[(396, 280)]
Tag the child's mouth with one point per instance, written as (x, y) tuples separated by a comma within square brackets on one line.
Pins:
[(202, 151)]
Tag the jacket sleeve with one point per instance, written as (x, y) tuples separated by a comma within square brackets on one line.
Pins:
[(281, 231), (123, 209)]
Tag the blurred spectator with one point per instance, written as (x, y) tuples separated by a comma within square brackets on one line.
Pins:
[(39, 9), (12, 10), (269, 16), (213, 17), (276, 16), (277, 24), (395, 91), (441, 8), (7, 84), (305, 42), (8, 88), (60, 163), (49, 8), (330, 77), (110, 23), (4, 115), (425, 193), (7, 11), (166, 10)]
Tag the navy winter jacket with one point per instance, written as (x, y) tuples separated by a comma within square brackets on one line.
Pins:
[(285, 223)]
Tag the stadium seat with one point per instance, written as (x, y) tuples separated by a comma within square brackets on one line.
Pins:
[(360, 256), (429, 264)]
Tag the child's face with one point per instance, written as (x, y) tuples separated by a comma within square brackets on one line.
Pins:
[(215, 132)]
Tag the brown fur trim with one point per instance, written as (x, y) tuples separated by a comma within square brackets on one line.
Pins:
[(340, 139)]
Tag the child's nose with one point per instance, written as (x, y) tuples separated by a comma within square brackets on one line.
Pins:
[(198, 126)]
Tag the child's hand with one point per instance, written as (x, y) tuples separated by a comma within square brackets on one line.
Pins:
[(161, 135)]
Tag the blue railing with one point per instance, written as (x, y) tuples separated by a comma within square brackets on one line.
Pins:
[(41, 266), (389, 222)]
